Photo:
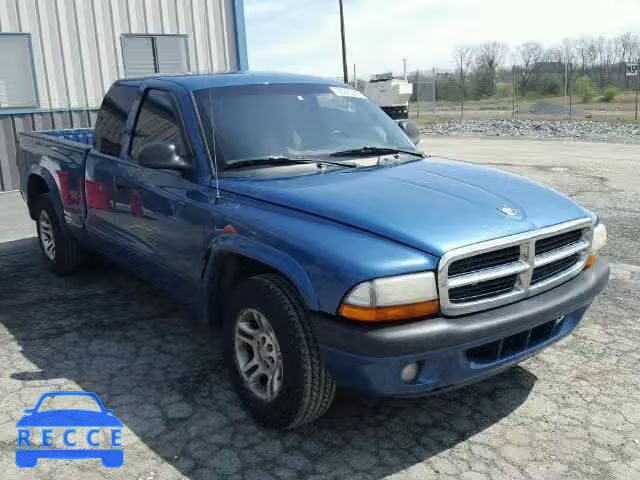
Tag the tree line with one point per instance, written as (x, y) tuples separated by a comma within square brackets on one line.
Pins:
[(588, 64)]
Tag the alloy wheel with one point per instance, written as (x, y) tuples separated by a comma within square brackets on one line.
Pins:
[(258, 355), (47, 239)]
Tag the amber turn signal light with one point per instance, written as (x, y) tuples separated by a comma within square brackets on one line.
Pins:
[(389, 313), (591, 259)]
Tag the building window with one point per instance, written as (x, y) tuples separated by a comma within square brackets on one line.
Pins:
[(17, 80), (149, 54)]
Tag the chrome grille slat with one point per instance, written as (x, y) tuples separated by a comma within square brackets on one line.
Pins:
[(558, 279), (488, 274), (560, 253), (563, 252), (488, 288), (547, 244), (485, 260), (551, 269)]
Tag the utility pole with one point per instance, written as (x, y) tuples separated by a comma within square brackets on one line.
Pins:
[(355, 79), (637, 86), (417, 92), (513, 88), (566, 69), (434, 91), (462, 96), (570, 91), (404, 68), (345, 72)]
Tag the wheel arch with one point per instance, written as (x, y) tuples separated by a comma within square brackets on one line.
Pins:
[(227, 264), (38, 183)]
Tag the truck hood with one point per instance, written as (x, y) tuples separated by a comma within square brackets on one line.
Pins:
[(433, 205)]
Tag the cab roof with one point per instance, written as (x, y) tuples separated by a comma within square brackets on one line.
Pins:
[(226, 79)]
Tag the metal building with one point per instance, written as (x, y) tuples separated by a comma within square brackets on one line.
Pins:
[(58, 57)]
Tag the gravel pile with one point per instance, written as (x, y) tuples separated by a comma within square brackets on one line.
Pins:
[(538, 129)]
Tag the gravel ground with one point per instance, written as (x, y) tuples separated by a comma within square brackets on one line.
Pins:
[(538, 129), (571, 412)]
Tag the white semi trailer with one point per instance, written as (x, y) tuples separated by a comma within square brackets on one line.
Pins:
[(390, 94)]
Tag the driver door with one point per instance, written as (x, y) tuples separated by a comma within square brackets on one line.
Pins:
[(160, 213)]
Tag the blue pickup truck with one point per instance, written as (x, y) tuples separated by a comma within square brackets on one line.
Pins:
[(293, 212)]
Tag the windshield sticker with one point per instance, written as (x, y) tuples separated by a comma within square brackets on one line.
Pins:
[(346, 92)]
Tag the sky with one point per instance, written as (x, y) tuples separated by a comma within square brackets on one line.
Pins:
[(303, 36)]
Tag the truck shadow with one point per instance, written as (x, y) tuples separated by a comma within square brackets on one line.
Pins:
[(163, 375)]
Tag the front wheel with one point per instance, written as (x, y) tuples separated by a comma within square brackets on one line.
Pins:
[(272, 355)]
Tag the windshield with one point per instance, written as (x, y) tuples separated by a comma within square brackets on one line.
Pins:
[(259, 121)]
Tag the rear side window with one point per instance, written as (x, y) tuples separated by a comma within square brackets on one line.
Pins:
[(112, 118), (157, 123)]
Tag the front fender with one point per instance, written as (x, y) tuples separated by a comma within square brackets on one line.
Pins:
[(321, 258), (260, 252), (268, 255)]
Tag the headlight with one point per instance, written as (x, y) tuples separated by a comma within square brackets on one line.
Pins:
[(392, 298), (599, 237), (597, 243)]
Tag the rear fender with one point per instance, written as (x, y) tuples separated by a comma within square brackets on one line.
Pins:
[(52, 185)]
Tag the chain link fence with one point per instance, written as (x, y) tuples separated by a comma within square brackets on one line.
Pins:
[(543, 91)]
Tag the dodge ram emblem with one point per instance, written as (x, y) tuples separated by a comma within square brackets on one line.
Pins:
[(509, 211)]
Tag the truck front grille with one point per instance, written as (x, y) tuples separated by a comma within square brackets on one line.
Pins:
[(502, 271)]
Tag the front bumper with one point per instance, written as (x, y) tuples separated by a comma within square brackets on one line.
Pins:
[(453, 351)]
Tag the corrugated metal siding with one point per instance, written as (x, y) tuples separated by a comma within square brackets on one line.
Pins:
[(77, 47), (77, 52)]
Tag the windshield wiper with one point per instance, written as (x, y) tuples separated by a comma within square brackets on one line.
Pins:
[(284, 160), (368, 151)]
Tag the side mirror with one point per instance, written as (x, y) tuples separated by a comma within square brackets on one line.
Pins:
[(29, 410), (411, 129), (163, 156)]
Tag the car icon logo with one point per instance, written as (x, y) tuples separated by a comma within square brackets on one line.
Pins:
[(509, 211), (73, 421)]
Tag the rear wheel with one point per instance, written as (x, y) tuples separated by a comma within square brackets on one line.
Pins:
[(61, 251), (46, 236), (272, 355)]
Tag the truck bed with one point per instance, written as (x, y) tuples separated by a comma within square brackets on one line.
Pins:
[(58, 158), (77, 135)]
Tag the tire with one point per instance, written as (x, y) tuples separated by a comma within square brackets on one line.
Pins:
[(306, 388), (66, 256)]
